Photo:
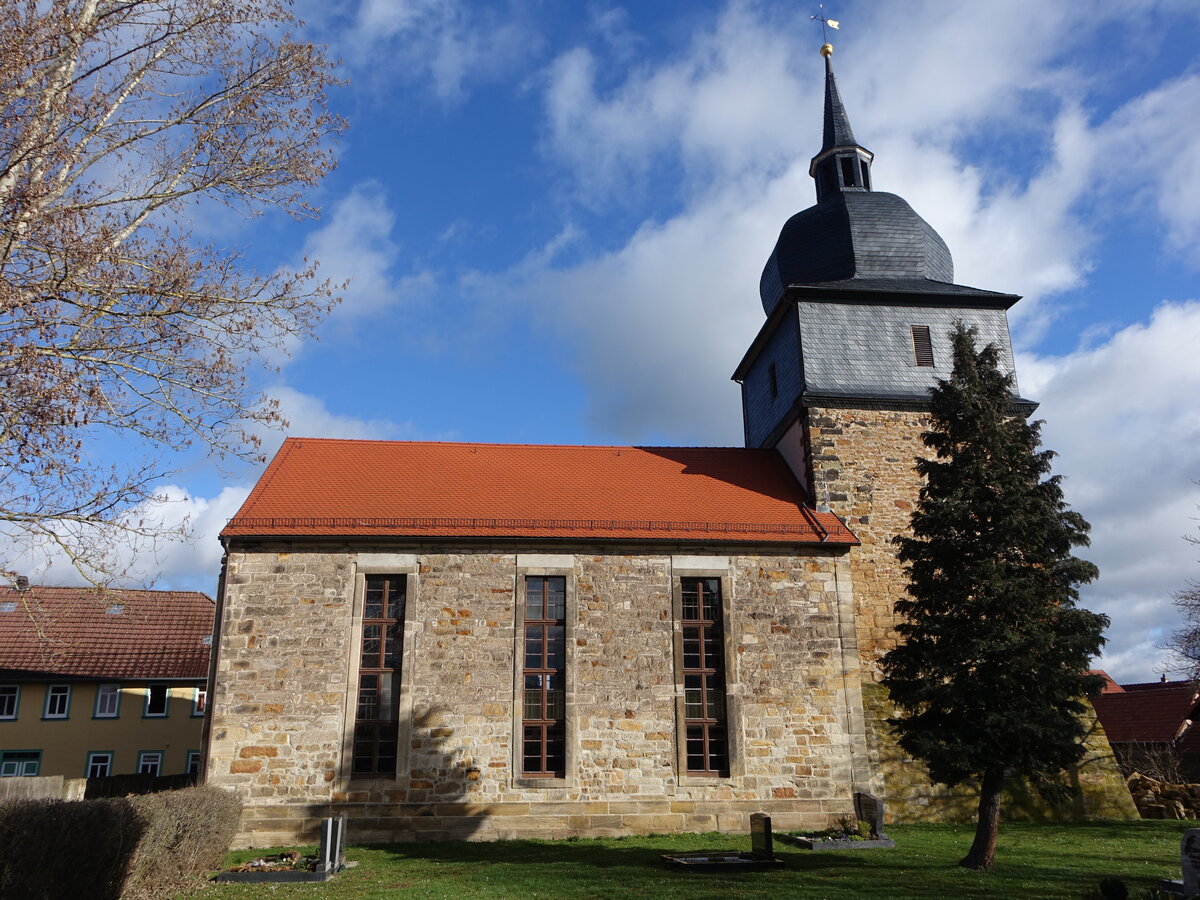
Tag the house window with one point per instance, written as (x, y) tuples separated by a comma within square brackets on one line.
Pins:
[(193, 762), (922, 345), (16, 763), (99, 764), (706, 741), (58, 701), (150, 762), (108, 701), (158, 698), (200, 701), (543, 726), (9, 695), (376, 724)]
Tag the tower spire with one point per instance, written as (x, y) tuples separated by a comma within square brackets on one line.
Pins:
[(838, 132), (843, 164)]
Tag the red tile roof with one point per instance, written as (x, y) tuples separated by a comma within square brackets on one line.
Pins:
[(413, 489), (71, 632), (1146, 714), (1110, 686)]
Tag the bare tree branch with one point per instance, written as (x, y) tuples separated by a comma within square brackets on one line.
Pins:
[(116, 323)]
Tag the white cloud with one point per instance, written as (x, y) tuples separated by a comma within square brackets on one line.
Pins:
[(186, 554), (1123, 418), (355, 246), (448, 45), (719, 110), (308, 416), (1151, 154)]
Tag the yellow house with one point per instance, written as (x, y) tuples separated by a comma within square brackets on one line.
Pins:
[(102, 682)]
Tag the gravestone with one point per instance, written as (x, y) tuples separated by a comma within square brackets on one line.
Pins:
[(1189, 862), (331, 857), (869, 809), (760, 836)]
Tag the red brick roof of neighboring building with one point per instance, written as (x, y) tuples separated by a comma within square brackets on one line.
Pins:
[(1110, 686), (93, 633), (322, 487), (1151, 713)]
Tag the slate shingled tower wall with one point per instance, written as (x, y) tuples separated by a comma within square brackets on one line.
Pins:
[(860, 299)]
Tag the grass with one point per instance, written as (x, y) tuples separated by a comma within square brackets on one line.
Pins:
[(1032, 861)]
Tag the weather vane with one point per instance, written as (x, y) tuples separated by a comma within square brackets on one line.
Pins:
[(825, 23)]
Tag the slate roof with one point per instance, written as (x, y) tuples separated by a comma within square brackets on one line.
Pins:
[(858, 290), (854, 235), (1154, 713), (324, 487), (70, 632), (837, 132)]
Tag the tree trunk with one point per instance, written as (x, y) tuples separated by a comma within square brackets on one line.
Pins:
[(983, 850)]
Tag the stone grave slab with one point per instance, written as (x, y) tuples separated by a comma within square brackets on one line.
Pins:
[(330, 859), (760, 857), (868, 808)]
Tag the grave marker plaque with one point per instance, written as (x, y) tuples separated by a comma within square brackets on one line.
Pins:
[(1189, 861), (869, 809), (760, 836)]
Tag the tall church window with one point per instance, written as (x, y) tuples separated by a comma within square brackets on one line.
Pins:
[(376, 723), (543, 725), (705, 723)]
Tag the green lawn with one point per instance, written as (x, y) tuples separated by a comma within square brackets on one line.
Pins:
[(1033, 861)]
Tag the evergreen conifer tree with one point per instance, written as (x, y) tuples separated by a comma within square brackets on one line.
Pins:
[(993, 659)]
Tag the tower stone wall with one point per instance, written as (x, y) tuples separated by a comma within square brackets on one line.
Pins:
[(863, 467), (862, 464)]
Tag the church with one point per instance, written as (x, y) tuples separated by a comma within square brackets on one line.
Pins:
[(456, 640)]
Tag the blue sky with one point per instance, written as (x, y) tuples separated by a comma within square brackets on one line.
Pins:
[(554, 216)]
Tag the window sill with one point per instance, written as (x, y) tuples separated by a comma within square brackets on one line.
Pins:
[(543, 783)]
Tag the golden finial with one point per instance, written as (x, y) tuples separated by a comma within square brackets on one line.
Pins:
[(826, 23)]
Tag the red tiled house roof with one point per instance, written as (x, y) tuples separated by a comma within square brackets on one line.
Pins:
[(322, 487), (1110, 686), (1155, 713), (71, 632)]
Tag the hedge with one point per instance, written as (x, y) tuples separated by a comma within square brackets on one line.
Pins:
[(132, 848)]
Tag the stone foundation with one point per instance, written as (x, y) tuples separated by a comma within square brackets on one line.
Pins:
[(379, 821)]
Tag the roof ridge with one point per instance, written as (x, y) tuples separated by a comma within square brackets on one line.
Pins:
[(299, 440)]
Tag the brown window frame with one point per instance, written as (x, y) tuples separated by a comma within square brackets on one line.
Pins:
[(547, 728), (704, 678), (377, 726)]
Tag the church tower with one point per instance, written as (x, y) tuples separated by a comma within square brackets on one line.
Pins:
[(860, 299)]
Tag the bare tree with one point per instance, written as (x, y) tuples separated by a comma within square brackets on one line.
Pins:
[(119, 327), (1184, 644)]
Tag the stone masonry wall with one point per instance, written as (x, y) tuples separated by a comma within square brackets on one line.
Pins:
[(863, 468), (282, 706)]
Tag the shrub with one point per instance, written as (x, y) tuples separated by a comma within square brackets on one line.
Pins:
[(133, 848), (187, 834), (50, 849)]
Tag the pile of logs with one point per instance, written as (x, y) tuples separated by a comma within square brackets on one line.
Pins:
[(1163, 800)]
